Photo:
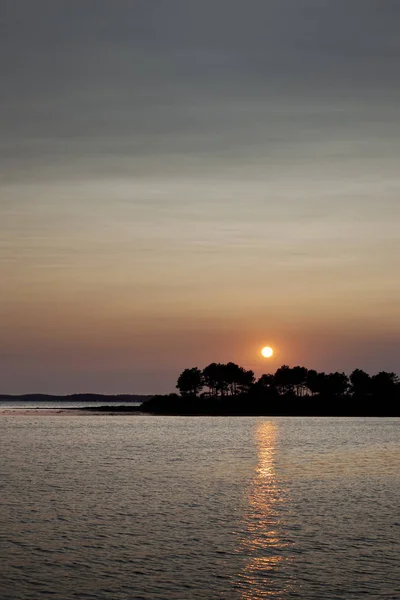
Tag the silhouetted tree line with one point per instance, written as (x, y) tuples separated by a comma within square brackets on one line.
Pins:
[(231, 389)]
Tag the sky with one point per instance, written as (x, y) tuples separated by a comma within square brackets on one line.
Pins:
[(185, 181)]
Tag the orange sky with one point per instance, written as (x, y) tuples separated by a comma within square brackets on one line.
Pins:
[(186, 199)]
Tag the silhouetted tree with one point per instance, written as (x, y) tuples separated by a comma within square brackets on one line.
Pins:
[(210, 378), (190, 382), (214, 377), (298, 378), (227, 379), (336, 384), (291, 380), (315, 381), (266, 381), (384, 384), (283, 379), (264, 390), (246, 380), (232, 390), (232, 373), (360, 383)]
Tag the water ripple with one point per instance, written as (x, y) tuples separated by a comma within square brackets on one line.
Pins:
[(132, 507)]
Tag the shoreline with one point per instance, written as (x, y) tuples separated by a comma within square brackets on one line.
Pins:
[(110, 411), (84, 411)]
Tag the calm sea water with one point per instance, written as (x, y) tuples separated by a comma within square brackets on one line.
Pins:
[(139, 507)]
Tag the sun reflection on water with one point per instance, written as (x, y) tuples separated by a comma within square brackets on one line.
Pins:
[(264, 540)]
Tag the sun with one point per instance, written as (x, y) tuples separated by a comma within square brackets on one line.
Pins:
[(267, 352)]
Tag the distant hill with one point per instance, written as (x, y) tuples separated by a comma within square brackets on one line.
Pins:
[(118, 398)]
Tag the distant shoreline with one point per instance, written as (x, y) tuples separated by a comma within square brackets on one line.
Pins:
[(138, 411), (24, 411), (245, 405), (75, 397)]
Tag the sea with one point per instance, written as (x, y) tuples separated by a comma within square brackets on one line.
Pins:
[(137, 507)]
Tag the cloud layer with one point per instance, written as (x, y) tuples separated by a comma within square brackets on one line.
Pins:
[(182, 182)]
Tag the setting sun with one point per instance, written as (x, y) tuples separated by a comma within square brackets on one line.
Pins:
[(267, 352)]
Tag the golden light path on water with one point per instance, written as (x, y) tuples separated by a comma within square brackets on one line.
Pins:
[(263, 538)]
